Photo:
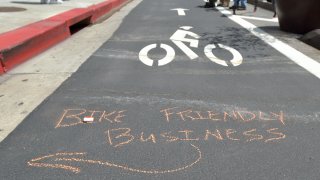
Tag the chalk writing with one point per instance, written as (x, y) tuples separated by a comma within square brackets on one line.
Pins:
[(279, 134), (254, 137), (229, 133), (116, 134), (151, 138), (123, 136), (73, 117), (237, 116), (216, 134), (186, 135), (60, 157), (168, 137)]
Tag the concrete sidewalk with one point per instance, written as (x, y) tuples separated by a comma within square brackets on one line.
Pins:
[(38, 27), (34, 11)]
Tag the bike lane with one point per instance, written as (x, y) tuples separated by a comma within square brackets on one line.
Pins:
[(191, 119)]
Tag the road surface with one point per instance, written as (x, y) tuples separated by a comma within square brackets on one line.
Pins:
[(229, 107)]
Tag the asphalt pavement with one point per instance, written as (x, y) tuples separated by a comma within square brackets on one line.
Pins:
[(235, 108)]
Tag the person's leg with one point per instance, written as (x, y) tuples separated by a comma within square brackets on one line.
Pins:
[(227, 2), (242, 5), (255, 5), (274, 8), (221, 3), (235, 4)]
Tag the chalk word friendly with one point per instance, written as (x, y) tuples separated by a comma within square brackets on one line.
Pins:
[(189, 114)]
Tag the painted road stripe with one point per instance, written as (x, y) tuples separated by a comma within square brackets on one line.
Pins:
[(260, 19), (299, 58), (181, 11)]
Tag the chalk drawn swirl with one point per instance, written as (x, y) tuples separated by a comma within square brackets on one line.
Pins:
[(59, 157)]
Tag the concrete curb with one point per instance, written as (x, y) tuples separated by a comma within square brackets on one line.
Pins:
[(1, 65), (23, 43)]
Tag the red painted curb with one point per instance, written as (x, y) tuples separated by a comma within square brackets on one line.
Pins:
[(116, 3), (100, 10), (23, 43), (2, 70)]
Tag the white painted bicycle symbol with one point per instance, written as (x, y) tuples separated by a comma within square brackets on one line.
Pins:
[(179, 38)]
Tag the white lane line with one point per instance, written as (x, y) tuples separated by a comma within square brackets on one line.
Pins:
[(259, 19), (181, 11), (299, 58)]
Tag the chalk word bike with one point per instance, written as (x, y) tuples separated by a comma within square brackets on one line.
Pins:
[(179, 38)]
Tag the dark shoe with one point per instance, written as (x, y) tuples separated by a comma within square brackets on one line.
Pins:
[(241, 8), (220, 5), (232, 7), (208, 5)]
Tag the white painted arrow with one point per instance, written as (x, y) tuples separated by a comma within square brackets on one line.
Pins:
[(180, 11)]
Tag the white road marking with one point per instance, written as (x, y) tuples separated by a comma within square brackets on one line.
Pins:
[(259, 19), (186, 27), (169, 57), (181, 11), (143, 55), (236, 60), (299, 58), (180, 36), (186, 49)]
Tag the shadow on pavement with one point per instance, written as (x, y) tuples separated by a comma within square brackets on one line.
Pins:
[(207, 8), (275, 31)]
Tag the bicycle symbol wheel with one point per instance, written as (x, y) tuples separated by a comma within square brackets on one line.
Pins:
[(236, 60), (143, 55)]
